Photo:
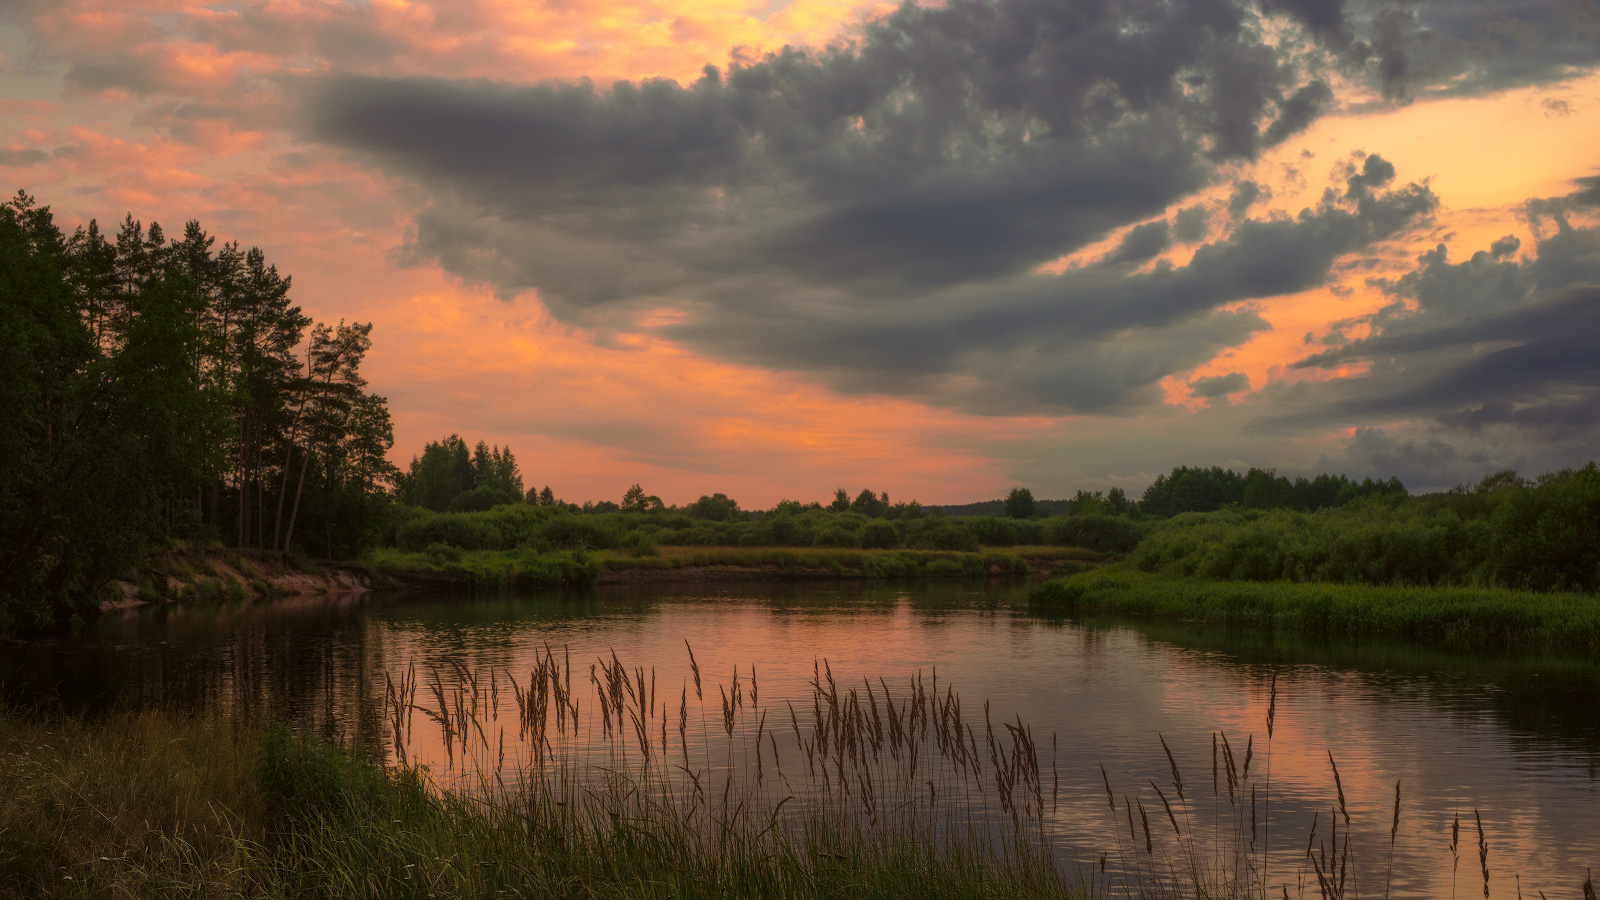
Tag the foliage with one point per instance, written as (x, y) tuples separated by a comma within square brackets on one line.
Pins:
[(1465, 616), (489, 568), (1105, 534), (715, 508), (880, 534), (1020, 505), (150, 389), (1540, 535), (448, 476), (1209, 489)]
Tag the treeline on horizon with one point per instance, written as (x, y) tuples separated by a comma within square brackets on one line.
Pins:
[(161, 390), (155, 389), (1210, 522), (1540, 534)]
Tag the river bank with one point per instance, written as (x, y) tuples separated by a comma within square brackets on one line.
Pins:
[(446, 566), (194, 573), (1449, 616), (188, 573)]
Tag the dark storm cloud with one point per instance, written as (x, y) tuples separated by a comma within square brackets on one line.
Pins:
[(1411, 47), (1190, 224), (1216, 386), (1588, 193), (1140, 244), (876, 212), (1552, 349), (1245, 195), (1491, 340), (1090, 339), (1299, 111), (960, 143)]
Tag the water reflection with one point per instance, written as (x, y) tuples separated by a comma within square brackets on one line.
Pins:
[(1516, 735)]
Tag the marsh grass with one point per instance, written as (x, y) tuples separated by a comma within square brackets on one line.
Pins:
[(598, 780), (1450, 616)]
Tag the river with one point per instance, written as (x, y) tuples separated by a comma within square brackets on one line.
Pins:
[(1514, 737)]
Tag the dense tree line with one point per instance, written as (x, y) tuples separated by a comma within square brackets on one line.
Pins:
[(1541, 534), (1209, 489), (447, 476), (157, 388)]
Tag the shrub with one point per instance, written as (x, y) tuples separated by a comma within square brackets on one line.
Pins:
[(443, 553), (834, 536), (879, 534), (945, 536), (1104, 534)]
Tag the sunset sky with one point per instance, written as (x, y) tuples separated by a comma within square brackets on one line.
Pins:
[(937, 250)]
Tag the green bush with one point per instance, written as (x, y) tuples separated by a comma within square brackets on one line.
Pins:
[(835, 536), (945, 536), (879, 534), (443, 553), (1103, 534)]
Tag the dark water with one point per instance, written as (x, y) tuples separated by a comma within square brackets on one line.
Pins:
[(1515, 737)]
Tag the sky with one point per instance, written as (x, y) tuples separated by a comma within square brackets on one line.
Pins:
[(935, 250)]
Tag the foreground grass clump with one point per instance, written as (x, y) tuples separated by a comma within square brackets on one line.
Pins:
[(1463, 616), (155, 804), (147, 804)]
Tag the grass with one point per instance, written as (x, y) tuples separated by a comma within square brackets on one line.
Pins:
[(142, 804), (1452, 616)]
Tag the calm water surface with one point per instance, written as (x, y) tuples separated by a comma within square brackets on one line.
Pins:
[(1514, 736)]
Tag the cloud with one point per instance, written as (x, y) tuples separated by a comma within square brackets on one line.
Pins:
[(1190, 224), (1216, 386), (876, 213), (1452, 47), (950, 144), (1488, 341), (1141, 243), (22, 158), (1245, 195), (1588, 193)]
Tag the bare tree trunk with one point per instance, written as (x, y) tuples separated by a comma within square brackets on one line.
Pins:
[(288, 535), (244, 480), (288, 456)]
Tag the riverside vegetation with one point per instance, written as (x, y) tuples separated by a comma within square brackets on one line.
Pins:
[(601, 787), (1507, 561)]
